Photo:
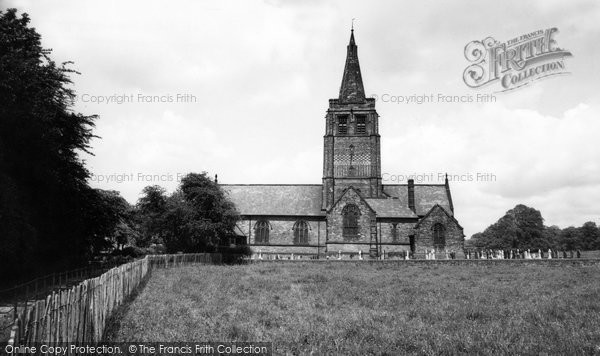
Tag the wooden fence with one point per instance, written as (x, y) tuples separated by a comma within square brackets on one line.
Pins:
[(164, 261), (40, 286), (79, 314)]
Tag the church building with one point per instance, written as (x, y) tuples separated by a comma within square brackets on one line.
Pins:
[(351, 210)]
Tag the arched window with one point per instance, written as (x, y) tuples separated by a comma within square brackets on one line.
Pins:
[(439, 236), (361, 125), (300, 232), (350, 214), (394, 231), (343, 125), (261, 232)]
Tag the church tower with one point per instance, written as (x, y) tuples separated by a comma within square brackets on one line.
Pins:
[(351, 143)]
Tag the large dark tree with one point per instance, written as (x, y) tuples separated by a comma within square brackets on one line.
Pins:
[(590, 236), (150, 211), (198, 216), (521, 227), (48, 212)]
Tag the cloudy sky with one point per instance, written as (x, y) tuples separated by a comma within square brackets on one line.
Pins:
[(246, 84)]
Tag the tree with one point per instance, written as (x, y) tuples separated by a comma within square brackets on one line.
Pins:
[(198, 216), (590, 236), (112, 216), (552, 236), (48, 212), (571, 238), (521, 227), (150, 211)]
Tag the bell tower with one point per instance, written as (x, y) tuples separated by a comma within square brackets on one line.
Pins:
[(351, 155)]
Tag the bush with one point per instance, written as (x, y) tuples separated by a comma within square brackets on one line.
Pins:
[(155, 249), (129, 251)]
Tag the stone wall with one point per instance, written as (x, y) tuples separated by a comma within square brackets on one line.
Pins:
[(335, 221), (404, 230), (287, 250), (349, 248), (281, 232), (453, 232)]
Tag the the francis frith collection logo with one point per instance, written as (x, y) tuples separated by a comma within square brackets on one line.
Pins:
[(514, 63)]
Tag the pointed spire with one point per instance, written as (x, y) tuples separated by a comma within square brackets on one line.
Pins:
[(352, 90)]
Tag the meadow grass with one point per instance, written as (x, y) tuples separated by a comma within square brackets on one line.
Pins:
[(360, 308)]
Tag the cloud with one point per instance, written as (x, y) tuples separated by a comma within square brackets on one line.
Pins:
[(262, 73), (520, 155)]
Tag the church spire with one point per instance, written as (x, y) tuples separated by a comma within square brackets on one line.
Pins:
[(352, 90)]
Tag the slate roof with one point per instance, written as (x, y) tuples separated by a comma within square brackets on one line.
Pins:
[(305, 199), (449, 213), (426, 196), (276, 199), (390, 208)]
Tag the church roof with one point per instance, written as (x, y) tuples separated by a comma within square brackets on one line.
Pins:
[(426, 196), (390, 208), (276, 199), (352, 89), (305, 199), (449, 214)]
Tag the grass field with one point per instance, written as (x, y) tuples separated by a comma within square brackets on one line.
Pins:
[(360, 308)]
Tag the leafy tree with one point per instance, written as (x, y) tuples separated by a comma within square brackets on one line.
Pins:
[(198, 216), (112, 216), (48, 212), (150, 211), (552, 236), (571, 238), (523, 227), (590, 236)]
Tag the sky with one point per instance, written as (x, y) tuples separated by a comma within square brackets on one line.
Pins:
[(241, 88)]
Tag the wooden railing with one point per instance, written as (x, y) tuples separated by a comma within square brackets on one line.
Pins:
[(79, 314)]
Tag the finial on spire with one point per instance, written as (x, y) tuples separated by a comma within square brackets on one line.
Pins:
[(352, 29)]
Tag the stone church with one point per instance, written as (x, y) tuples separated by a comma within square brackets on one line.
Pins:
[(351, 210)]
